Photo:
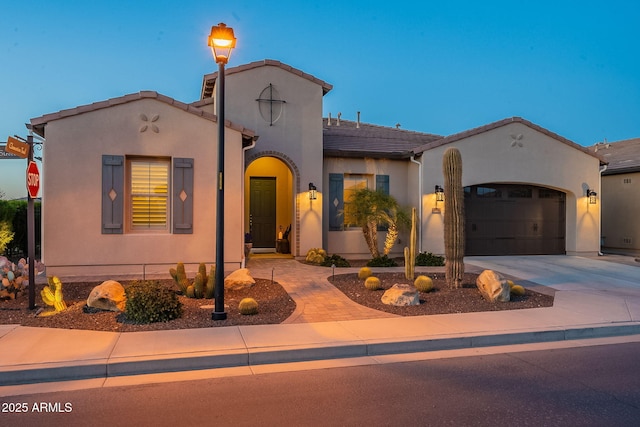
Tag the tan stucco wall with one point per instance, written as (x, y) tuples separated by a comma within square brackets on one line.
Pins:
[(403, 187), (489, 157), (296, 137), (620, 207), (72, 239)]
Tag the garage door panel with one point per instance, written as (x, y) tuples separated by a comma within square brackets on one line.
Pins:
[(504, 219)]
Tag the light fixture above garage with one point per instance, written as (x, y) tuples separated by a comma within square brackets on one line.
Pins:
[(592, 195), (439, 194)]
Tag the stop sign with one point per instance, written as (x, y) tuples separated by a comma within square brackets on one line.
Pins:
[(33, 179)]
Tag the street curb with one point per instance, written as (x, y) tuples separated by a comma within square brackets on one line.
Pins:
[(115, 367)]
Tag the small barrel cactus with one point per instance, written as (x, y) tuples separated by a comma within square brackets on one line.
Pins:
[(372, 283), (517, 290), (364, 273), (248, 306), (423, 283)]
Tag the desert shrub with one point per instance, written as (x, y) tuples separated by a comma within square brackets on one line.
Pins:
[(149, 301), (372, 283), (423, 283), (316, 255), (364, 272), (429, 259), (248, 306), (335, 259), (382, 261)]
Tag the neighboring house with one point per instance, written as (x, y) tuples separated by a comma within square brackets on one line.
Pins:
[(620, 196), (130, 182)]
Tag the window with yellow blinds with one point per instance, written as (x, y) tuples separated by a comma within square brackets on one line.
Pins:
[(149, 195)]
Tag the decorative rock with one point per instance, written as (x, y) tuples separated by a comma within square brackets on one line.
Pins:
[(493, 286), (239, 279), (108, 296), (401, 295)]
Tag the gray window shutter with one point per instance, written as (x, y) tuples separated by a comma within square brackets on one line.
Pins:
[(382, 183), (336, 202), (182, 196), (112, 194)]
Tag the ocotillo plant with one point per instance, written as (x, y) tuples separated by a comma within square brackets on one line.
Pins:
[(453, 217), (410, 252)]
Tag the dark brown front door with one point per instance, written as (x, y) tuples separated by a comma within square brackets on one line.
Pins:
[(262, 211), (510, 219)]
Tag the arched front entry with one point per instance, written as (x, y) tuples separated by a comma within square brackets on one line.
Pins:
[(514, 219), (269, 205)]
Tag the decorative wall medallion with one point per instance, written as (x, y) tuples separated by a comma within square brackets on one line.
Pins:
[(516, 140), (149, 123), (270, 104)]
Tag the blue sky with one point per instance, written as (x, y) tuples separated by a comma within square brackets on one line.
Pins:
[(572, 67)]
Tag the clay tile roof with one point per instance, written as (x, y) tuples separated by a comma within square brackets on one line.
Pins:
[(39, 123), (350, 139), (621, 156), (504, 122), (208, 81)]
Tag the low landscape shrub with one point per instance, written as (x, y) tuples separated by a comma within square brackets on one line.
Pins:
[(336, 260), (429, 259), (382, 261), (149, 301)]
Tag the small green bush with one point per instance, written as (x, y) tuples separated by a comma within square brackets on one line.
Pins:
[(429, 259), (364, 273), (335, 259), (423, 283), (149, 301), (372, 283), (382, 261), (248, 306)]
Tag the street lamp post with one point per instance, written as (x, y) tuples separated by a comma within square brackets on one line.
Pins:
[(221, 41)]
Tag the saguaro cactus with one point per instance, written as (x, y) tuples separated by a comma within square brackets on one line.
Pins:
[(453, 217), (410, 252)]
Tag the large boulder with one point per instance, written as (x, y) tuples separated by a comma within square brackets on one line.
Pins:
[(401, 294), (493, 287), (239, 279), (108, 296)]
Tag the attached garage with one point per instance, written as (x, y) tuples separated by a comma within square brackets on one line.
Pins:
[(514, 219)]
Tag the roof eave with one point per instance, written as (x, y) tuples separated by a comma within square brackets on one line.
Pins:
[(367, 154), (208, 81)]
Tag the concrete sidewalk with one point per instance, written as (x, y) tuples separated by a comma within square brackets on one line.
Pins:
[(593, 298)]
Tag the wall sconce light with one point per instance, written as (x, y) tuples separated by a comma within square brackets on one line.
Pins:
[(439, 194), (592, 195), (313, 195)]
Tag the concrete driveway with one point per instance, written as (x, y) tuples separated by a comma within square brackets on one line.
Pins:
[(612, 279)]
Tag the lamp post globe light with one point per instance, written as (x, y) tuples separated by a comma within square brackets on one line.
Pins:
[(221, 41)]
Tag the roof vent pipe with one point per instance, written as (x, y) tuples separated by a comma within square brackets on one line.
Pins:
[(398, 125), (358, 122), (329, 120), (338, 121)]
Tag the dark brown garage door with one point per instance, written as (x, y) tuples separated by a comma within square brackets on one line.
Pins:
[(507, 219)]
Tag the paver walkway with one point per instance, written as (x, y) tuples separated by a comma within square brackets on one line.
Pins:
[(317, 300)]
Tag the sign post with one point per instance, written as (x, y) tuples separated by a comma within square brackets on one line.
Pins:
[(33, 186), (24, 149)]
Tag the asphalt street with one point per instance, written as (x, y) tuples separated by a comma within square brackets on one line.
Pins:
[(586, 386)]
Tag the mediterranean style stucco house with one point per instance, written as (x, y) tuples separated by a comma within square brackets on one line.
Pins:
[(130, 182), (620, 195)]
